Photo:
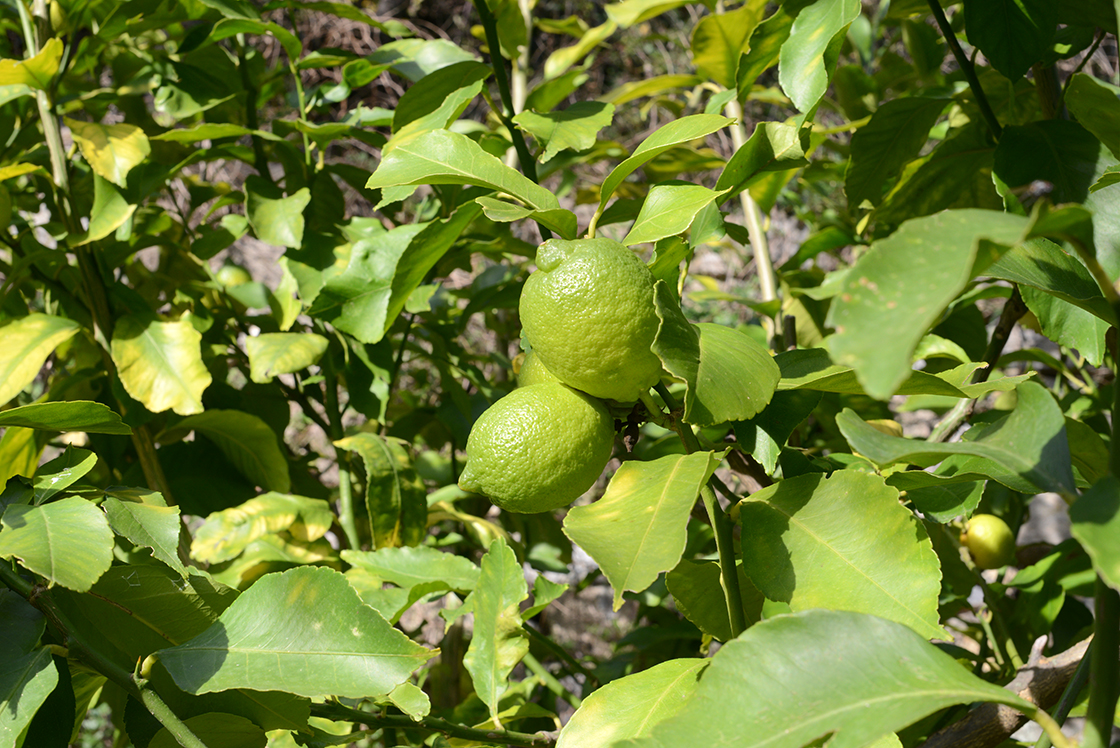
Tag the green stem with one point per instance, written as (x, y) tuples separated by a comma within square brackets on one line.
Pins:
[(536, 668), (721, 523), (345, 479), (967, 68), (1051, 728), (260, 161), (1003, 640), (1069, 696), (432, 725), (573, 664), (154, 704), (1104, 675)]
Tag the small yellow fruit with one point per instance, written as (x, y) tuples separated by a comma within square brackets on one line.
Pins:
[(230, 275), (588, 312), (538, 448), (989, 540)]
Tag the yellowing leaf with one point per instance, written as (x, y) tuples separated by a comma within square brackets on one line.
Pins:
[(160, 364), (111, 150), (24, 346), (35, 72)]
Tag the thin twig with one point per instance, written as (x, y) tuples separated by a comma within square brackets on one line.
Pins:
[(967, 68), (433, 725)]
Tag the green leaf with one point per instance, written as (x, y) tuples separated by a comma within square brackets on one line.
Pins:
[(111, 150), (677, 132), (160, 363), (408, 567), (1012, 34), (445, 157), (395, 494), (275, 219), (795, 550), (245, 439), (668, 210), (639, 528), (227, 533), (943, 502), (896, 133), (429, 94), (632, 706), (869, 677), (1095, 523), (559, 61), (563, 222), (232, 26), (1031, 444), (67, 542), (810, 53), (216, 730), (498, 642), (274, 353), (1097, 108), (21, 625), (1042, 264), (209, 131), (36, 72), (765, 46), (62, 472), (317, 638), (773, 146), (904, 283), (698, 592), (110, 211), (26, 680), (659, 84), (629, 12), (25, 344), (720, 39), (764, 435), (1107, 178), (74, 415), (574, 128), (1068, 325), (735, 380), (155, 527)]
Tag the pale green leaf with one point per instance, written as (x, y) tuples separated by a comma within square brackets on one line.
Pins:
[(810, 53), (110, 211), (574, 128), (1095, 522), (632, 706), (216, 730), (735, 380), (1096, 107), (655, 86), (796, 551), (207, 131), (36, 72), (629, 12), (12, 171), (395, 494), (668, 210), (274, 353), (445, 157), (245, 439), (498, 642), (869, 677), (559, 61), (773, 146), (896, 133), (1068, 325), (227, 533), (410, 699), (26, 680), (275, 219), (562, 221), (25, 344), (155, 527), (75, 415), (67, 542), (639, 528), (304, 631), (720, 39), (62, 472), (160, 363), (111, 150), (903, 284), (408, 567), (431, 92)]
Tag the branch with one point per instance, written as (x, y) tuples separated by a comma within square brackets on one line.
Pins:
[(1041, 681), (966, 68), (434, 725)]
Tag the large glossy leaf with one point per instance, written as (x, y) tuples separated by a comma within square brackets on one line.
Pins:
[(245, 439), (677, 132), (896, 133), (498, 642), (149, 526), (318, 638), (445, 157), (632, 706), (275, 219), (720, 39), (698, 592), (1097, 108), (1095, 522), (1012, 34), (160, 363), (110, 150), (574, 128), (274, 353), (1031, 444), (843, 543), (639, 528), (67, 542), (810, 53), (903, 284), (735, 380), (25, 344), (227, 533), (793, 679), (35, 72), (62, 472), (1042, 264), (773, 146), (668, 210), (75, 415), (395, 495)]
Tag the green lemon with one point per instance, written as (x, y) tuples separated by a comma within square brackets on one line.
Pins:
[(588, 313), (230, 275), (533, 371), (538, 448), (989, 540)]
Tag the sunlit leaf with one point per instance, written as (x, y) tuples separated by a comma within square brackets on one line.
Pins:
[(275, 219), (227, 533), (629, 12), (1097, 108), (25, 344), (639, 528), (155, 527), (274, 353), (668, 210), (111, 150), (559, 61), (697, 589), (1095, 522), (563, 222), (67, 542), (395, 495), (35, 72), (773, 146), (431, 92), (75, 415), (574, 128), (809, 55), (160, 363), (26, 680), (720, 39), (62, 472), (407, 567), (110, 211)]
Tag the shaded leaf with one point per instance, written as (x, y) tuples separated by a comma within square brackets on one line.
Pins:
[(638, 529), (275, 219), (155, 527), (563, 222), (395, 494), (26, 680), (245, 439), (1012, 34), (227, 533), (74, 415), (896, 133), (720, 39), (216, 730), (1097, 108), (110, 150), (318, 638), (430, 92), (668, 210), (1042, 264), (62, 472), (274, 353), (698, 593), (25, 344), (810, 53), (735, 380), (764, 435), (1095, 523), (160, 363), (67, 542), (574, 128)]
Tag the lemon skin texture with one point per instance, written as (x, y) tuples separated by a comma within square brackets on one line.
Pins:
[(538, 448), (989, 540), (533, 371), (588, 313)]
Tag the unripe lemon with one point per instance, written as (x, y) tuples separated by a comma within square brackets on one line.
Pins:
[(533, 371), (230, 275), (588, 313), (989, 540), (538, 448)]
